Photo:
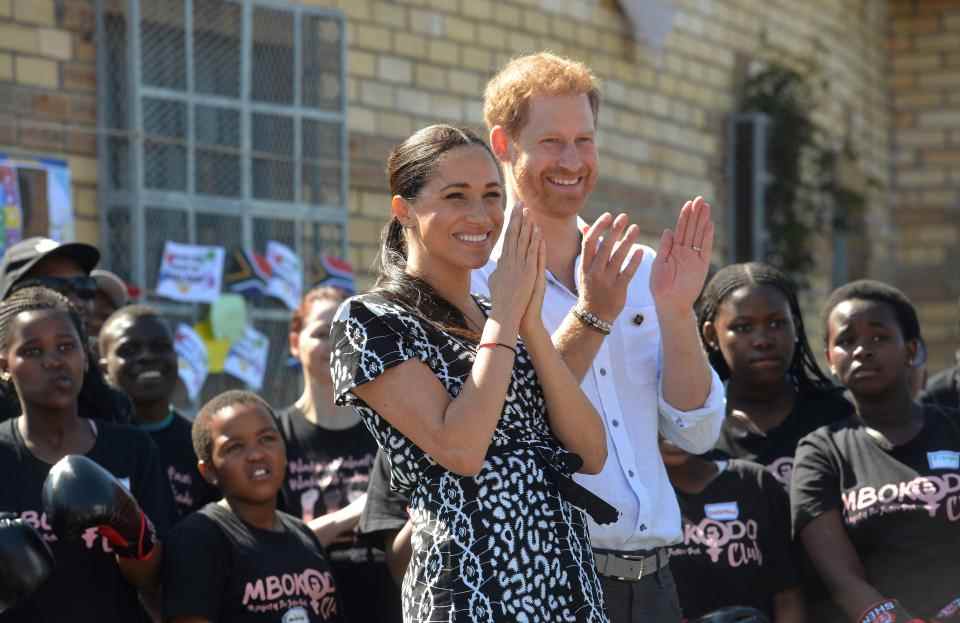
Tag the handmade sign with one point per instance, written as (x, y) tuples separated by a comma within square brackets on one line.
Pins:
[(216, 349), (191, 359), (190, 272), (247, 359), (228, 317), (286, 279)]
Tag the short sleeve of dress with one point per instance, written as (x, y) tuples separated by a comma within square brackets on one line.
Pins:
[(368, 337), (815, 483)]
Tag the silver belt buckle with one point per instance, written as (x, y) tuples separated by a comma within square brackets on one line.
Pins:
[(640, 573)]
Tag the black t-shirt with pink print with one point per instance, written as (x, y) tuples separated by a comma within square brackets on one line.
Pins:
[(900, 505), (220, 568), (86, 585), (775, 448), (173, 438), (736, 542)]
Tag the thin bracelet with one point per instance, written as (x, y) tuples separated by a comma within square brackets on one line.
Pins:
[(495, 344)]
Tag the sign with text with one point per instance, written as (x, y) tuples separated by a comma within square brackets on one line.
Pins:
[(191, 359), (247, 359), (190, 272), (286, 279)]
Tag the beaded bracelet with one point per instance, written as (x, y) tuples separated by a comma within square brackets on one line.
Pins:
[(592, 320), (495, 344)]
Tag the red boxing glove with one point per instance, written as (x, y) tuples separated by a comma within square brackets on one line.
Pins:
[(887, 611)]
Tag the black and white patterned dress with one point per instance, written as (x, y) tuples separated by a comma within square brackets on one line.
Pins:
[(502, 545)]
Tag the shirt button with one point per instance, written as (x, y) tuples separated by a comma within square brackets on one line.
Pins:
[(615, 423), (630, 473), (603, 372)]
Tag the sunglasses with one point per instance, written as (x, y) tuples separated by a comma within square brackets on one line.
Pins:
[(83, 286)]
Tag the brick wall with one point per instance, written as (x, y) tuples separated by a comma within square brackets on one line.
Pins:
[(414, 62), (925, 89), (48, 92)]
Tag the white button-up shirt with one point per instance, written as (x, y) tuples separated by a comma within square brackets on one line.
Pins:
[(624, 386)]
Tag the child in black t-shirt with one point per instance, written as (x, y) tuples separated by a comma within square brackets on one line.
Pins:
[(96, 576), (137, 353), (876, 498), (241, 560), (329, 456), (752, 327), (736, 548)]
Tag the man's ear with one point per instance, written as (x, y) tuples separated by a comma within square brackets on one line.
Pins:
[(102, 362), (710, 334), (208, 473), (500, 143), (5, 370), (401, 210)]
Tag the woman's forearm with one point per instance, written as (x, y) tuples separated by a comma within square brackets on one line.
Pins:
[(573, 418)]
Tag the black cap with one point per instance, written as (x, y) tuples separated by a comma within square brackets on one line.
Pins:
[(24, 255)]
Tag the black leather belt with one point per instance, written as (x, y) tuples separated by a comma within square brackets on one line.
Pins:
[(630, 567)]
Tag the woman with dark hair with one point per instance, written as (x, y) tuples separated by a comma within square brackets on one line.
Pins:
[(752, 327), (480, 418), (875, 497)]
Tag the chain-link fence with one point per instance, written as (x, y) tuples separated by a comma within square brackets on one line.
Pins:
[(221, 122)]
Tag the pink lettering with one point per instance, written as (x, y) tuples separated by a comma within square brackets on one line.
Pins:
[(254, 590), (739, 554), (90, 536), (867, 496), (274, 590), (887, 493), (953, 508)]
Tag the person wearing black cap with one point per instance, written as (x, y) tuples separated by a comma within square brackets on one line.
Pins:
[(64, 268)]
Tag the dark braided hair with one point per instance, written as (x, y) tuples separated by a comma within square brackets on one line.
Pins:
[(804, 370), (410, 167), (34, 298), (878, 292)]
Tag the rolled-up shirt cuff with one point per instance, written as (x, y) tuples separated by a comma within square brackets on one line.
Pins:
[(714, 406)]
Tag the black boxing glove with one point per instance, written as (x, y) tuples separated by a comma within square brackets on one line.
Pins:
[(887, 611), (79, 494), (25, 560), (734, 614)]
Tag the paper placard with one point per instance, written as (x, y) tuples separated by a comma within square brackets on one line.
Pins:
[(228, 317), (190, 272), (286, 279), (247, 359), (191, 359), (216, 349)]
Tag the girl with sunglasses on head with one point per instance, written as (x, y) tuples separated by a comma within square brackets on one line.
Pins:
[(876, 498), (752, 327), (481, 420), (105, 547)]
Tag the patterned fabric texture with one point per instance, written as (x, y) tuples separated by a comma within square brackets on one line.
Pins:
[(503, 545)]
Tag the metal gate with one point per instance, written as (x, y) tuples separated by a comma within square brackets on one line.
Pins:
[(221, 122)]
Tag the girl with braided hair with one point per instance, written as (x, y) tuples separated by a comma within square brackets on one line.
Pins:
[(751, 325), (98, 574)]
